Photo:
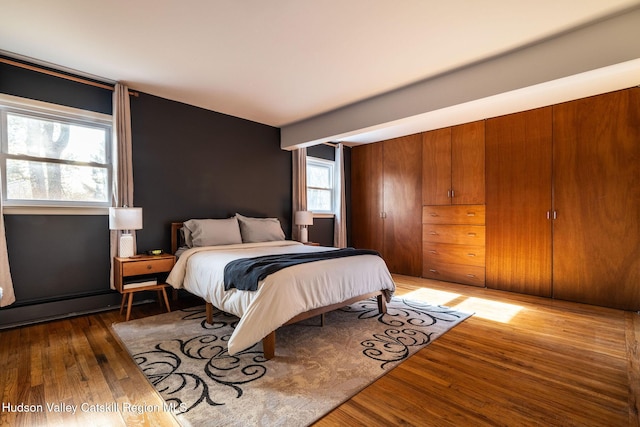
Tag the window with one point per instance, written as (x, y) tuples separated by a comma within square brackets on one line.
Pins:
[(53, 155), (320, 185)]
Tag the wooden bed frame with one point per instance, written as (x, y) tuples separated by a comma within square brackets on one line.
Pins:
[(269, 342)]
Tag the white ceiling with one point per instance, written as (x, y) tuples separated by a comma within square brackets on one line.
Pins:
[(280, 61)]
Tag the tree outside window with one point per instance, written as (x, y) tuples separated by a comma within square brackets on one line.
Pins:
[(53, 160)]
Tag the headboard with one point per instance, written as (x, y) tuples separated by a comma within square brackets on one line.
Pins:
[(175, 236)]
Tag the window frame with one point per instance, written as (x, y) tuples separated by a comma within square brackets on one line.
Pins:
[(331, 165), (47, 111)]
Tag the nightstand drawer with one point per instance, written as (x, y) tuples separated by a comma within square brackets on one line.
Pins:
[(147, 266)]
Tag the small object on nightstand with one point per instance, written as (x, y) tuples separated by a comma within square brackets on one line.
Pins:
[(136, 274), (312, 243), (155, 252)]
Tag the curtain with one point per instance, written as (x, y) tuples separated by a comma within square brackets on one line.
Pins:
[(340, 222), (123, 165), (299, 198), (7, 296)]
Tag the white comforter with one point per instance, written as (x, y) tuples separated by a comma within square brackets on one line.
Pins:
[(281, 295)]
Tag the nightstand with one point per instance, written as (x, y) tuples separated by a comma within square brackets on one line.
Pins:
[(127, 270)]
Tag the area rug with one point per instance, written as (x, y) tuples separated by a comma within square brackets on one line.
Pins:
[(315, 368)]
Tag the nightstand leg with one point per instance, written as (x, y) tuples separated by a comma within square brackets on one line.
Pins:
[(166, 300), (160, 297), (129, 305), (124, 298)]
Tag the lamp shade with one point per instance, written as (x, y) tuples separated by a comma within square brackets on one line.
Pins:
[(303, 218), (125, 218)]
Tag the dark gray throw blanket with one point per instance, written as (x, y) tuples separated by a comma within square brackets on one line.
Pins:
[(245, 273)]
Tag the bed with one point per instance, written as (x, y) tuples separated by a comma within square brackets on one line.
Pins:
[(284, 297)]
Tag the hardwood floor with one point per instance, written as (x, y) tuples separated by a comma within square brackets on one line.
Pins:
[(519, 361)]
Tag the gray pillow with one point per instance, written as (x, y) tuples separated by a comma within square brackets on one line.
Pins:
[(260, 229), (212, 232)]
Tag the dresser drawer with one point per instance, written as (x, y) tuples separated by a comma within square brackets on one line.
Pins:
[(472, 235), (455, 214), (466, 274), (147, 266), (453, 254)]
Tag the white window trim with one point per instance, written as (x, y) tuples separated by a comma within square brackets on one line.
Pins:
[(18, 104), (332, 164)]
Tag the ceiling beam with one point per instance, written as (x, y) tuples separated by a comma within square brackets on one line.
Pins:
[(600, 44)]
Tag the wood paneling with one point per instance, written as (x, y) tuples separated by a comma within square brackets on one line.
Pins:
[(453, 165), (402, 207), (436, 167), (468, 163), (366, 197), (596, 236), (518, 199)]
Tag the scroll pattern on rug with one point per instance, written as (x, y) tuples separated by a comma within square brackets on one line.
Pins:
[(406, 328), (198, 370)]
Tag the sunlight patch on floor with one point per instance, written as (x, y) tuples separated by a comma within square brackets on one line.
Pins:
[(432, 296), (490, 310)]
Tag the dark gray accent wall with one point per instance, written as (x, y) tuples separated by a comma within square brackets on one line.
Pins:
[(188, 162), (194, 163)]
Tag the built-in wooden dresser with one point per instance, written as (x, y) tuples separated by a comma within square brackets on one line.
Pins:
[(453, 243)]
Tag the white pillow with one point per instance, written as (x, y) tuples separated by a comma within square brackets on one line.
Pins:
[(212, 232), (260, 229)]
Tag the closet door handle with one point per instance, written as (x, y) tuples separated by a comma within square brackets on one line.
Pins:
[(449, 193), (453, 194)]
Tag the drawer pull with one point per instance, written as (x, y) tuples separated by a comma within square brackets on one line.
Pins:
[(471, 234), (433, 214), (471, 255), (149, 266), (433, 233), (432, 270), (471, 214), (433, 252), (471, 276)]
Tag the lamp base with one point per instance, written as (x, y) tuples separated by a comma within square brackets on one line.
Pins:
[(304, 235), (126, 246)]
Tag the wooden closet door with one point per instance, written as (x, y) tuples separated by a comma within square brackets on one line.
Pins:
[(436, 167), (366, 197), (402, 204), (518, 198), (596, 236), (467, 164)]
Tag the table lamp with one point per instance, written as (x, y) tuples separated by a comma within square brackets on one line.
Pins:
[(125, 219), (303, 219)]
